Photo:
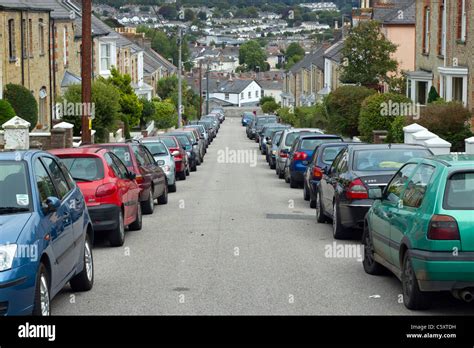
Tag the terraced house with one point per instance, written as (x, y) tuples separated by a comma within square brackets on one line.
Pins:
[(444, 51)]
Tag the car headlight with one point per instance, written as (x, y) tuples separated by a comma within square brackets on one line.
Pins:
[(7, 254), (161, 162)]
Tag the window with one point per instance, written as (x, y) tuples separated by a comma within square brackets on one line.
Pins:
[(84, 168), (395, 187), (441, 31), (256, 94), (226, 96), (43, 181), (250, 95), (242, 96), (120, 167), (458, 88), (41, 36), (416, 189), (459, 192), (30, 36), (57, 176), (24, 33), (462, 20), (105, 57), (140, 156), (65, 47), (11, 40), (426, 31)]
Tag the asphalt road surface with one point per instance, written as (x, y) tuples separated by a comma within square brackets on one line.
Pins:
[(235, 240)]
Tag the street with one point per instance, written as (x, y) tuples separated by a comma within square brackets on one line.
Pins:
[(235, 240)]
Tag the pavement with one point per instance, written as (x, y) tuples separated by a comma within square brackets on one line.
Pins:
[(236, 240)]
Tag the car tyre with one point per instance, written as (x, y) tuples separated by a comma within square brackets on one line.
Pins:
[(84, 281), (172, 188), (320, 214), (370, 265), (163, 199), (194, 168), (339, 232), (182, 176), (413, 297), (148, 206), (42, 301), (306, 194), (137, 224), (293, 183), (117, 235)]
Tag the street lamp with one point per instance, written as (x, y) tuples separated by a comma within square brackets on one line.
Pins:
[(180, 96)]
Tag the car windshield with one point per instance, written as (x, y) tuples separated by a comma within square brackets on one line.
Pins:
[(123, 153), (156, 149), (183, 139), (385, 159), (310, 144), (460, 192), (169, 142), (84, 168), (291, 137), (15, 193), (330, 153), (277, 137)]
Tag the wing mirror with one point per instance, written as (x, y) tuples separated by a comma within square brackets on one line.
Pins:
[(131, 175), (51, 204)]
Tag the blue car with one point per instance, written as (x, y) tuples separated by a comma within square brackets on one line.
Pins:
[(301, 152), (46, 233), (247, 118)]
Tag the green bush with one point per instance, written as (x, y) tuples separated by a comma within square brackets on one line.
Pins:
[(287, 116), (450, 121), (395, 133), (343, 109), (6, 111), (270, 107), (376, 113), (165, 114), (23, 102)]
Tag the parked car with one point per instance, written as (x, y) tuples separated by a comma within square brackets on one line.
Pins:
[(202, 134), (220, 112), (149, 175), (267, 130), (423, 215), (284, 145), (165, 160), (319, 163), (300, 153), (214, 119), (273, 148), (261, 122), (180, 156), (186, 140), (208, 124), (109, 188), (247, 117), (343, 190), (198, 143), (46, 233)]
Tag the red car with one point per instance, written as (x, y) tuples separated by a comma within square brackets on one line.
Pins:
[(150, 177), (109, 188), (180, 156)]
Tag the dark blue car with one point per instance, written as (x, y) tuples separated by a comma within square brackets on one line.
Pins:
[(301, 152), (46, 234), (247, 118)]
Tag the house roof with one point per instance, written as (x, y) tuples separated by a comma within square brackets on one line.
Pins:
[(27, 5), (335, 51), (271, 84), (70, 79), (316, 57), (221, 86), (398, 12)]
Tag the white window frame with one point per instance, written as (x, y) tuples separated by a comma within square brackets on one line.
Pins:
[(463, 21), (65, 48), (102, 57), (446, 82)]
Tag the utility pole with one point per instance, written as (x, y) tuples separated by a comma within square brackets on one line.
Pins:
[(207, 88), (180, 87), (86, 70), (200, 89)]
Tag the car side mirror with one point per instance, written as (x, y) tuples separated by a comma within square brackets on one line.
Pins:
[(175, 153), (196, 144), (375, 193), (131, 175), (51, 204)]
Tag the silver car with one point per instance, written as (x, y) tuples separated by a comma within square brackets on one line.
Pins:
[(164, 159)]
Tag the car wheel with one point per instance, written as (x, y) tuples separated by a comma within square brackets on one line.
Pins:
[(182, 175), (293, 184), (137, 224), (188, 171), (320, 215), (41, 306), (305, 192), (281, 174), (339, 232), (172, 188), (286, 176), (117, 236), (272, 165), (85, 280), (194, 168), (370, 265), (163, 199), (413, 298), (148, 206)]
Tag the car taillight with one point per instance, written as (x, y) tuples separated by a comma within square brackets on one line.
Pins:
[(139, 179), (300, 156), (443, 227), (105, 190), (283, 154), (317, 173), (357, 190)]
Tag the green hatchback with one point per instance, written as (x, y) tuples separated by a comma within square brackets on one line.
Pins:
[(421, 228)]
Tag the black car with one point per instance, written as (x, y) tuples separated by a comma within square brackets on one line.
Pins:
[(343, 191), (186, 142), (266, 132), (320, 162), (272, 147), (261, 122)]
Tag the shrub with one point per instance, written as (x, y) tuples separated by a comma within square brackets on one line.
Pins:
[(433, 95), (270, 107), (23, 102), (287, 117), (448, 120), (6, 111), (343, 109), (376, 113), (395, 133), (166, 115)]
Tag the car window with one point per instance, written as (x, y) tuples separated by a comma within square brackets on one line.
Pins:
[(57, 175), (14, 186), (459, 192), (337, 161), (168, 142), (310, 144), (416, 188), (120, 166), (123, 153), (330, 153), (157, 149), (70, 181), (111, 164), (149, 156), (139, 155), (342, 166), (385, 159), (395, 187), (85, 168), (44, 182)]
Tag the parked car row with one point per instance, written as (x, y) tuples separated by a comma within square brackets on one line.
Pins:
[(413, 211), (54, 204)]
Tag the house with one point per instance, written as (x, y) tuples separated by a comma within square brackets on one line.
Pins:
[(444, 48), (332, 67), (25, 55), (272, 88)]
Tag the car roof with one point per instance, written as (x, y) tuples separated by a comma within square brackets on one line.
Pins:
[(78, 151), (363, 146), (294, 130), (454, 160), (320, 136), (11, 155)]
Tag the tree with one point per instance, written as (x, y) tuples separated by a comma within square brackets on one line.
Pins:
[(23, 102), (165, 114), (106, 101), (266, 98), (202, 15), (294, 49), (147, 113), (168, 12), (6, 111), (253, 56), (189, 15), (343, 109), (433, 95), (367, 55), (270, 107)]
